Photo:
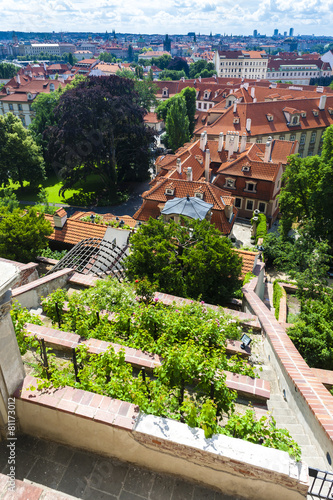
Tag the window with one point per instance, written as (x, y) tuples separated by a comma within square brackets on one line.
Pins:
[(199, 195), (292, 137), (11, 107), (262, 207), (20, 107), (302, 140), (23, 121), (238, 202), (295, 120), (230, 183), (169, 191), (281, 138), (249, 205), (313, 137), (250, 186)]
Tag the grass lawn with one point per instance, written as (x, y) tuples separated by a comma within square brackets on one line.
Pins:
[(83, 194)]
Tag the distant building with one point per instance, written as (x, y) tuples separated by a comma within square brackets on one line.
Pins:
[(241, 64), (291, 32), (255, 33), (276, 32)]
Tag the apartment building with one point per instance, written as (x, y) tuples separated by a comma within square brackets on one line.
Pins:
[(241, 64), (18, 95), (280, 116), (297, 70)]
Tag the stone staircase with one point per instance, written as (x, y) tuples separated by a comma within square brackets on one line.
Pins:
[(287, 419)]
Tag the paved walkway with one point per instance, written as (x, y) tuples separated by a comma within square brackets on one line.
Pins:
[(93, 477)]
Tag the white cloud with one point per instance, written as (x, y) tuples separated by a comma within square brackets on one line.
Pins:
[(143, 16)]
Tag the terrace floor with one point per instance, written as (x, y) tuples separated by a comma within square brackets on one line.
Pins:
[(92, 477)]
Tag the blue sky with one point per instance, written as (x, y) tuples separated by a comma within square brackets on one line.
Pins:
[(161, 16)]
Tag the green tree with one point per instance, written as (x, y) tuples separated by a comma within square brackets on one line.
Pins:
[(8, 199), (189, 260), (168, 74), (100, 130), (7, 70), (189, 94), (130, 54), (126, 73), (23, 234), (20, 157), (139, 72), (307, 192), (146, 91), (177, 124), (43, 107)]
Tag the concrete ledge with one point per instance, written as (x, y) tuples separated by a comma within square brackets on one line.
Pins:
[(114, 428), (30, 295)]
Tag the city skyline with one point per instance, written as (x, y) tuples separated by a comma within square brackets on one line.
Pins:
[(306, 17)]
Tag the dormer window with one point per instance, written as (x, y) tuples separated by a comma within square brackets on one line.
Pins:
[(236, 120), (315, 112), (199, 195), (270, 117), (303, 114), (169, 191), (52, 88), (230, 183), (165, 92), (29, 96), (330, 110), (7, 90), (294, 120), (206, 94), (246, 168)]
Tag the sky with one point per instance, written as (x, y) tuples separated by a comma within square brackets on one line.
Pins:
[(144, 16)]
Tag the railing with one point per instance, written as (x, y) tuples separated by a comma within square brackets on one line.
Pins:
[(322, 484)]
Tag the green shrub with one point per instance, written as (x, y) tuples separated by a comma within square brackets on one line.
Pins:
[(277, 295)]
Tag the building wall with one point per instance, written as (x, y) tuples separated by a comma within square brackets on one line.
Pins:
[(21, 109), (241, 68)]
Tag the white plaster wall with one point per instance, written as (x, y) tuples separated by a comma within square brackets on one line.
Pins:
[(230, 465)]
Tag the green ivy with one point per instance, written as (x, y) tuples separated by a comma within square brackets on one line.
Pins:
[(277, 296)]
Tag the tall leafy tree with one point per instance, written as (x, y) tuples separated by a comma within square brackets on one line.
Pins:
[(307, 194), (189, 95), (189, 260), (8, 70), (177, 124), (20, 157), (22, 234), (100, 130)]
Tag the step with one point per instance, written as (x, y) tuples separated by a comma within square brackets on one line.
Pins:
[(25, 490), (315, 463), (302, 439), (309, 450), (282, 419), (294, 429), (282, 412)]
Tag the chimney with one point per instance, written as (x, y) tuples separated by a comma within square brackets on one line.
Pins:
[(18, 79), (207, 164), (253, 91), (243, 143), (199, 78), (220, 146), (179, 165), (255, 99), (236, 141), (268, 150), (322, 102), (203, 140), (248, 124), (231, 146), (189, 176), (235, 106), (59, 218)]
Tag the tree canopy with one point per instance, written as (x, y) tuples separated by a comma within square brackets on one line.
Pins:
[(20, 157), (189, 95), (190, 260), (22, 234), (307, 192), (201, 68), (100, 130), (177, 123), (8, 70)]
